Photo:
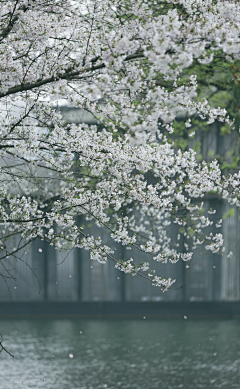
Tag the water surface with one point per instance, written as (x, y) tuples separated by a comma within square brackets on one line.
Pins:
[(126, 354)]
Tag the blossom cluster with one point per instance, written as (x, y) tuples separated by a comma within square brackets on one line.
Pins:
[(122, 63)]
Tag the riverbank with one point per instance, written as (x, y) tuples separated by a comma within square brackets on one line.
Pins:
[(119, 309)]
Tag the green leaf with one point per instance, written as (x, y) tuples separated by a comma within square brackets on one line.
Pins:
[(229, 213)]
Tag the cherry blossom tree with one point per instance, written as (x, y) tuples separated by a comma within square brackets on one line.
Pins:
[(124, 63)]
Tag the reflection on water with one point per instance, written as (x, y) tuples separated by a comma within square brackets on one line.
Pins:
[(126, 354)]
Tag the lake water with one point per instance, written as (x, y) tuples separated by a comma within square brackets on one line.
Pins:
[(126, 354)]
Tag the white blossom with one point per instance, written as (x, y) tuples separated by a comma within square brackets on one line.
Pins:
[(103, 64)]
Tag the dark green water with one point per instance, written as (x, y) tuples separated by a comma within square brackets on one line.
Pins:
[(126, 354)]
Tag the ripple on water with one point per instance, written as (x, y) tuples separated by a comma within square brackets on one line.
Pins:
[(126, 354)]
